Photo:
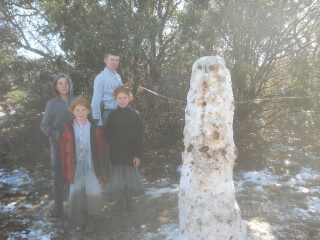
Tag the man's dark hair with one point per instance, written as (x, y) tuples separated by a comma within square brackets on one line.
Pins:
[(111, 52)]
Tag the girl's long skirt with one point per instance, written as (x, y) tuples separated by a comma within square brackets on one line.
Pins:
[(124, 182), (84, 198)]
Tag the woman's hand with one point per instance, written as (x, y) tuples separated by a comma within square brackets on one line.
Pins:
[(136, 162)]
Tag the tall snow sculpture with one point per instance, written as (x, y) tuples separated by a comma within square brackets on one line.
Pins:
[(207, 206)]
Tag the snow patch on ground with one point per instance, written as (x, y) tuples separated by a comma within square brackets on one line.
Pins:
[(16, 180), (263, 177), (169, 231), (7, 208), (39, 231), (260, 190), (158, 192)]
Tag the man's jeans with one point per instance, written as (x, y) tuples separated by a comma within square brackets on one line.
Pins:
[(105, 115)]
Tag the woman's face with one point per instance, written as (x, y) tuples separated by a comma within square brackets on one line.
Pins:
[(81, 113), (122, 99), (63, 86)]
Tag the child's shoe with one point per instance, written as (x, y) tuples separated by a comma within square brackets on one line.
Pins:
[(56, 212), (118, 208), (129, 207), (90, 227)]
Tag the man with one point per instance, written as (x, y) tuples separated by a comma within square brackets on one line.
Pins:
[(103, 101)]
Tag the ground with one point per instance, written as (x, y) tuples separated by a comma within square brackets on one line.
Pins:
[(281, 201)]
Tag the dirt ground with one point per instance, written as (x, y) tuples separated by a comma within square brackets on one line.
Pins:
[(33, 204), (151, 213), (272, 212)]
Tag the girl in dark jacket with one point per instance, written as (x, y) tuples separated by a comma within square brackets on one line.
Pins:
[(84, 163), (124, 133)]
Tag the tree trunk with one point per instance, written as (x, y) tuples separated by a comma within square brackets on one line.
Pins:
[(207, 205)]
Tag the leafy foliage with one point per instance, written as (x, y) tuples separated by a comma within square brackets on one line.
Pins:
[(270, 47)]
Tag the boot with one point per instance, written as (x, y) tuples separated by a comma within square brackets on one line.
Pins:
[(129, 206), (90, 226), (118, 208), (57, 211)]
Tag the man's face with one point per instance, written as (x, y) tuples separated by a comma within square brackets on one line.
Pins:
[(112, 62)]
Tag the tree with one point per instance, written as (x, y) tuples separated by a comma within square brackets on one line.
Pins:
[(259, 40), (266, 44), (23, 95), (21, 25), (143, 32)]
